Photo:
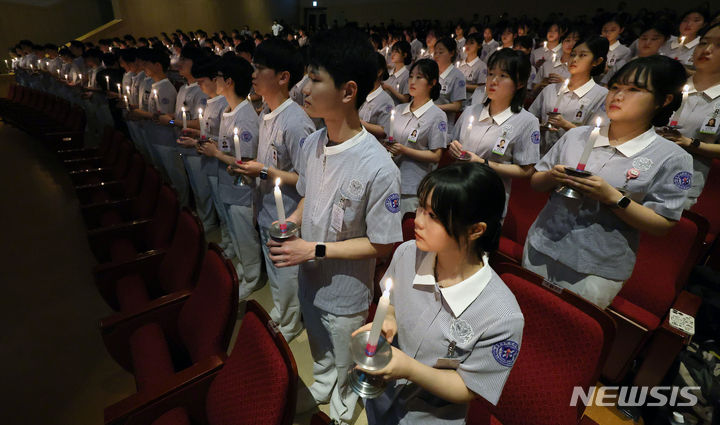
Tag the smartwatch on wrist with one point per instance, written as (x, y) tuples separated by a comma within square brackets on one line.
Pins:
[(319, 250), (264, 173), (623, 202), (171, 122), (695, 143)]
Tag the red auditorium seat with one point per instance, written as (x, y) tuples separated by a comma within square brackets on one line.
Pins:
[(124, 241), (523, 208), (256, 385), (565, 342), (129, 285), (89, 174), (116, 211), (708, 206), (114, 190), (104, 156), (177, 331), (110, 136), (641, 308)]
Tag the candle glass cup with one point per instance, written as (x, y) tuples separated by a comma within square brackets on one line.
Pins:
[(568, 191), (365, 385), (281, 235), (243, 180)]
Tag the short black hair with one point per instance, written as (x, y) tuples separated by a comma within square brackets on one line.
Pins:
[(403, 47), (662, 26), (280, 55), (192, 53), (239, 71), (159, 56), (64, 51), (429, 69), (599, 47), (699, 10), (246, 46), (449, 44), (661, 76), (92, 53), (476, 37), (524, 41), (347, 55), (128, 55), (382, 66), (454, 193), (517, 65), (707, 29), (205, 67), (108, 59), (77, 44)]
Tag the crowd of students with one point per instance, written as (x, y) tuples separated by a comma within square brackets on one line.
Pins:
[(350, 126)]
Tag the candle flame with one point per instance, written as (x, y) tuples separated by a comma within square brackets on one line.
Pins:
[(235, 131), (388, 284), (682, 40), (107, 78), (200, 111), (598, 121), (686, 88), (277, 182), (392, 115), (545, 44), (183, 109)]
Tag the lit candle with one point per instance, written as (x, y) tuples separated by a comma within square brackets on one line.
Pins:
[(499, 48), (682, 40), (422, 52), (127, 103), (236, 141), (81, 80), (545, 45), (119, 87), (457, 64), (66, 77), (282, 223), (157, 102), (378, 320), (676, 115), (589, 145), (202, 123), (554, 58), (127, 89), (392, 126), (469, 127), (107, 82), (559, 94), (31, 67), (184, 115)]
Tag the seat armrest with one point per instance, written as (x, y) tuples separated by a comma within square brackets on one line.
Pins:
[(91, 212), (105, 235), (142, 264), (186, 386)]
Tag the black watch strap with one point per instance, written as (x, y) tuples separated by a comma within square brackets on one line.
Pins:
[(623, 202), (695, 143), (319, 250)]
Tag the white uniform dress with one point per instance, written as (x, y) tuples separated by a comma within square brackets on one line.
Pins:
[(617, 56), (423, 129), (544, 53), (550, 67), (399, 81), (416, 47), (474, 327), (507, 138), (351, 191), (700, 119), (377, 108), (237, 197), (460, 43), (581, 244), (578, 106), (680, 52), (282, 134), (475, 71), (452, 89)]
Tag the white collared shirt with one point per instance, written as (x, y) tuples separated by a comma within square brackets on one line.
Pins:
[(680, 52), (245, 119), (164, 102), (452, 89), (399, 81), (617, 56), (377, 108), (475, 71), (192, 98)]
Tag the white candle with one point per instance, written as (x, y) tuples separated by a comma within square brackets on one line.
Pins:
[(107, 82), (127, 104), (457, 64), (81, 80), (202, 123), (378, 320), (682, 40), (127, 90), (184, 115), (589, 145), (676, 115), (280, 206), (157, 102), (66, 77), (236, 142), (119, 87), (545, 45), (469, 127), (392, 126), (422, 52), (554, 58)]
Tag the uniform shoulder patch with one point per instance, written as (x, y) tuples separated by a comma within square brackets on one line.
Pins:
[(302, 142), (165, 100), (442, 126), (535, 137), (461, 83), (246, 136), (392, 203), (683, 180), (388, 108), (203, 101), (505, 352)]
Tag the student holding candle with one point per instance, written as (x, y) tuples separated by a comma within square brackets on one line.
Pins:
[(681, 47), (618, 54), (420, 131), (397, 82), (375, 112), (499, 132), (284, 126), (458, 327), (350, 215), (697, 129), (550, 45), (579, 100), (237, 142), (451, 82), (474, 70), (640, 183), (556, 69)]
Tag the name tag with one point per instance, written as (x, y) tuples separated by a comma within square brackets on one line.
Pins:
[(337, 216), (501, 145), (710, 124), (412, 138), (224, 145)]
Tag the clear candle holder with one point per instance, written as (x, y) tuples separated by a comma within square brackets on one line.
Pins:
[(363, 384)]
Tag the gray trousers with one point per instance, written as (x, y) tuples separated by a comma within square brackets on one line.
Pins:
[(201, 191), (172, 164), (246, 243), (329, 337), (284, 289), (220, 208)]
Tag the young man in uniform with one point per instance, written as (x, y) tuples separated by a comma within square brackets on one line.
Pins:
[(349, 214)]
